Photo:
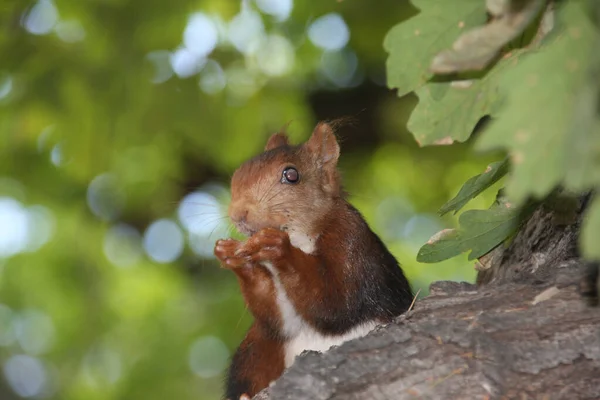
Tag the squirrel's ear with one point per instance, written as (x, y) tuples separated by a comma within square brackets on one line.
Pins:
[(277, 140), (324, 145)]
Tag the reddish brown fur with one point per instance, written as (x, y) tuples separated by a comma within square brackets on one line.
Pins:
[(256, 285), (348, 278), (261, 360), (258, 200), (253, 210), (304, 276)]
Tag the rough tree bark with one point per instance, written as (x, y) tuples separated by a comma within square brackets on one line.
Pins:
[(524, 332)]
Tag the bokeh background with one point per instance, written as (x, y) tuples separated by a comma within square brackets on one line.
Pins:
[(120, 125)]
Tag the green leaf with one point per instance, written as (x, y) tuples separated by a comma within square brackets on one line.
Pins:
[(412, 44), (540, 95), (476, 185), (498, 7), (590, 232), (443, 245), (582, 156), (480, 231), (449, 111), (475, 49)]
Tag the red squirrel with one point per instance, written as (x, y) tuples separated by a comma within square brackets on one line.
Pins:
[(312, 272)]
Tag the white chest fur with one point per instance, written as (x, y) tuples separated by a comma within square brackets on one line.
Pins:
[(300, 334), (310, 339), (301, 241)]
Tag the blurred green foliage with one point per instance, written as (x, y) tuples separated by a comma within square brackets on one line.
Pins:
[(108, 121)]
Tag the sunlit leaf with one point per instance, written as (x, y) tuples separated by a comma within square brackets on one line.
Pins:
[(443, 245), (475, 49), (480, 231), (412, 44), (582, 156), (498, 7), (540, 98), (590, 232), (448, 111), (476, 185)]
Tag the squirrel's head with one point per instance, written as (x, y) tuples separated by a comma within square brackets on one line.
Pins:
[(288, 187)]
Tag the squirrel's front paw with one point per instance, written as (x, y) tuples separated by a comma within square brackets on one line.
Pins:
[(225, 251), (268, 244)]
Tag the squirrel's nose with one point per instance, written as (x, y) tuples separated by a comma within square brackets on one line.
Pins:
[(239, 214)]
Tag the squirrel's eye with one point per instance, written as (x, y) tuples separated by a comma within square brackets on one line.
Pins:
[(290, 175)]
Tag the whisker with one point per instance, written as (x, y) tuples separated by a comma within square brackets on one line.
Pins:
[(244, 312), (207, 222), (179, 201), (278, 207), (208, 219), (230, 230), (279, 203), (202, 217), (273, 193), (207, 205), (260, 200), (213, 231), (202, 214)]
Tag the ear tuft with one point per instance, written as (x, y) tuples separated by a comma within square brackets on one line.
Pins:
[(277, 140), (324, 145)]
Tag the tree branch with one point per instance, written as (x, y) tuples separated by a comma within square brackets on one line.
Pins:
[(525, 334)]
